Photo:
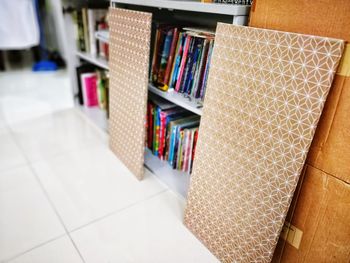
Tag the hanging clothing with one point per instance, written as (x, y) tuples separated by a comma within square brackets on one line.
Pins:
[(18, 24)]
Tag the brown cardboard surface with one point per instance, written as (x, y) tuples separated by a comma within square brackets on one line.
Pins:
[(322, 17), (330, 149), (322, 213), (265, 94)]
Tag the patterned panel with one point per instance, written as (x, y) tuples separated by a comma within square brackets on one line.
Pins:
[(130, 33), (265, 95)]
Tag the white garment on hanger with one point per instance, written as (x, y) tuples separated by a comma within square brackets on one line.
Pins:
[(18, 24)]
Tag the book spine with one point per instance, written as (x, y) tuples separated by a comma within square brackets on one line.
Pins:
[(205, 78), (171, 58), (172, 146), (162, 135), (188, 65), (183, 61), (195, 139), (177, 62), (91, 27), (193, 67), (86, 30), (156, 55), (150, 126), (164, 56), (199, 68)]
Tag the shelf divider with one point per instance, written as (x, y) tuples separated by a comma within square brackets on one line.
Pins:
[(98, 61), (186, 102)]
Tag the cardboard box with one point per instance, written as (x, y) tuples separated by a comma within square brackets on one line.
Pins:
[(322, 214), (330, 150)]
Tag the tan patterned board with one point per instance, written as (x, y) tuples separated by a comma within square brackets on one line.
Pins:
[(130, 33), (265, 95)]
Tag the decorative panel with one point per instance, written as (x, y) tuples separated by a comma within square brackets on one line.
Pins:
[(265, 95), (130, 33)]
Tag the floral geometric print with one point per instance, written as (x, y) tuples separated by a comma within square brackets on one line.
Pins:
[(265, 95), (130, 33)]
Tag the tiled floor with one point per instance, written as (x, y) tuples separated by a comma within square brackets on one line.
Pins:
[(64, 197)]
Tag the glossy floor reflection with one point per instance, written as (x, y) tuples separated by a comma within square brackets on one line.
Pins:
[(64, 197)]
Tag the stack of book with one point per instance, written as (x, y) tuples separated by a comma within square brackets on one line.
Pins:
[(92, 86), (181, 59), (172, 133), (87, 22)]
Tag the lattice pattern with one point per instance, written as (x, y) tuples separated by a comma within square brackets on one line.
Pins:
[(130, 33), (265, 95)]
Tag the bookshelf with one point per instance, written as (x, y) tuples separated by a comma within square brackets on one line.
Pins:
[(98, 61), (205, 14), (193, 6), (176, 180)]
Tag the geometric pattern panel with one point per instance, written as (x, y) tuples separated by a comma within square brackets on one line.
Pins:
[(130, 33), (265, 95)]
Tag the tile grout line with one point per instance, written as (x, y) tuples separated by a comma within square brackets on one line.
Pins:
[(32, 248), (47, 195), (117, 211)]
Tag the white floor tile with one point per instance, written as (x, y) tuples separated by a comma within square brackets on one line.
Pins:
[(58, 251), (10, 155), (150, 232), (26, 218), (54, 134), (88, 184)]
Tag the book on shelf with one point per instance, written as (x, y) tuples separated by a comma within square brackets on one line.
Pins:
[(87, 22), (181, 59), (171, 133), (93, 84)]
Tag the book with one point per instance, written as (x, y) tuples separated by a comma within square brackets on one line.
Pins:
[(89, 89), (164, 57), (183, 62), (170, 60), (159, 44), (177, 61), (188, 64), (86, 29), (206, 72), (200, 68)]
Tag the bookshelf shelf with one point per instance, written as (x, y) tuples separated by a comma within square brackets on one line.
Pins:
[(96, 115), (176, 180), (98, 61), (102, 35), (194, 6), (187, 103)]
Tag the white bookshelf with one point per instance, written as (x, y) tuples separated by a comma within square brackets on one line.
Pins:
[(96, 60), (96, 115), (194, 6), (184, 101), (176, 180), (102, 35)]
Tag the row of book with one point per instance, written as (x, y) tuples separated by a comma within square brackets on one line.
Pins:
[(172, 133), (181, 59), (92, 86), (87, 23)]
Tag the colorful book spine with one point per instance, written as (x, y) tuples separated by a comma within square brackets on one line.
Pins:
[(188, 64), (205, 77), (150, 126), (162, 131), (89, 89), (164, 56), (183, 62), (177, 62), (170, 62), (157, 54)]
